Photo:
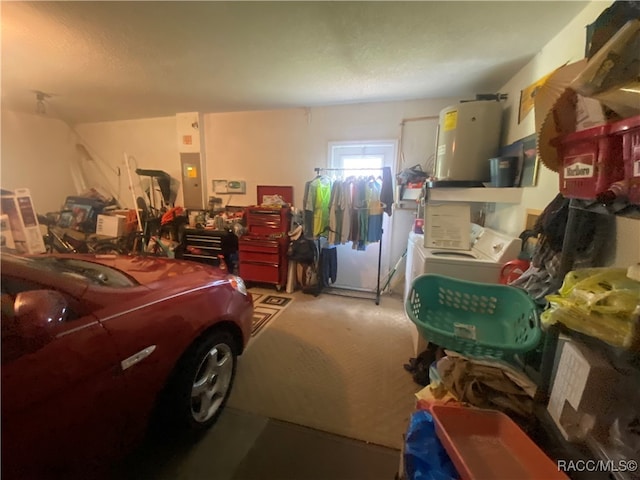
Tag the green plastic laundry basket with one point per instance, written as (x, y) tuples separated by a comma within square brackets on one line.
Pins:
[(474, 319)]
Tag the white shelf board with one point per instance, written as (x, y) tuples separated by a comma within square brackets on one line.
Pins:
[(476, 194)]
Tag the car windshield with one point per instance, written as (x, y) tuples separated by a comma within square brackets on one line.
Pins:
[(95, 273)]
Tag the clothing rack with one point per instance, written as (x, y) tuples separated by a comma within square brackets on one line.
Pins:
[(377, 293)]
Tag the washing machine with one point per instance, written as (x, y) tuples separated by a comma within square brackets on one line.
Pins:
[(413, 263), (482, 263)]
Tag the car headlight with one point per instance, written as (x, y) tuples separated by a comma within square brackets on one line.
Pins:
[(238, 284)]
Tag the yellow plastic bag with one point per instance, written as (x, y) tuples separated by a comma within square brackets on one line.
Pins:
[(600, 302)]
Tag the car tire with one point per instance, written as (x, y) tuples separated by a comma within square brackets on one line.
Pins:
[(201, 383)]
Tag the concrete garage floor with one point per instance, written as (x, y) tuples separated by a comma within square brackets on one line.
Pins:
[(326, 364), (245, 446)]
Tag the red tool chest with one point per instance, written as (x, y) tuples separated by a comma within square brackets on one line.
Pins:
[(263, 249), (264, 260)]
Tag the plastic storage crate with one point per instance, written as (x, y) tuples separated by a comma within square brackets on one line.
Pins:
[(629, 132), (591, 161), (486, 444), (475, 319)]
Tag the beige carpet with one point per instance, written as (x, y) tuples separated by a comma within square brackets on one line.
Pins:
[(335, 364)]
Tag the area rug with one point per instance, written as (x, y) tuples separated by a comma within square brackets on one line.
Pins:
[(334, 364), (266, 307)]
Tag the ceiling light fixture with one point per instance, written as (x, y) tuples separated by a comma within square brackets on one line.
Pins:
[(41, 107)]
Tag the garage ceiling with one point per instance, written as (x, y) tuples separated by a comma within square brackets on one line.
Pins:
[(122, 60)]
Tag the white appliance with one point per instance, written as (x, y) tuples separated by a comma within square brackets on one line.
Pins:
[(468, 136), (482, 263)]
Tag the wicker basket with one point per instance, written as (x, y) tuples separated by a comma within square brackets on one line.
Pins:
[(474, 319)]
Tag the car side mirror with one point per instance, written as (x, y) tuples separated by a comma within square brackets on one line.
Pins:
[(36, 313)]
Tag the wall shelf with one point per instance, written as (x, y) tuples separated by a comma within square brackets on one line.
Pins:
[(475, 194)]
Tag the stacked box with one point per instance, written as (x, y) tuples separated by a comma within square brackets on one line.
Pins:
[(628, 130), (111, 225), (23, 221), (591, 162)]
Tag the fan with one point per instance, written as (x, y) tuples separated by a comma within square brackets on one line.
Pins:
[(554, 106)]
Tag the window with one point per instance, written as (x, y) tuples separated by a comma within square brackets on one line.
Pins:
[(354, 157)]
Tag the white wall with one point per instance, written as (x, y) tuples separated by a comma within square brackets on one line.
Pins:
[(37, 153), (567, 47), (282, 147), (151, 143), (278, 147)]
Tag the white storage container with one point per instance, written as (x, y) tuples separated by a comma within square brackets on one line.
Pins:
[(23, 221), (110, 225)]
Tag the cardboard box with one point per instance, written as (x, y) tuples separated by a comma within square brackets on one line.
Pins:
[(582, 391), (111, 225), (23, 221), (589, 113), (614, 64), (447, 226), (6, 234)]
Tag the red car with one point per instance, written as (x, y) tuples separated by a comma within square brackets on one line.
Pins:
[(96, 346)]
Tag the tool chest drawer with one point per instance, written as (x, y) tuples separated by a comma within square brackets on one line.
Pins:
[(261, 272), (264, 259), (205, 246), (267, 221), (273, 258), (259, 244)]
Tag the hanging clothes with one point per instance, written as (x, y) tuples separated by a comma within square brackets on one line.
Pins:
[(307, 215), (342, 211), (386, 193), (335, 213), (347, 204), (328, 265), (349, 210), (317, 203), (358, 214), (376, 209)]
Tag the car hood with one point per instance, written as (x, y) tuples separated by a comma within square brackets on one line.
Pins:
[(156, 273)]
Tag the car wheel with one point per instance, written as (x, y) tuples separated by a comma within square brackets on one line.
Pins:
[(203, 381)]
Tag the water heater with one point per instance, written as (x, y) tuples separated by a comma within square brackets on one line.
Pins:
[(468, 136)]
